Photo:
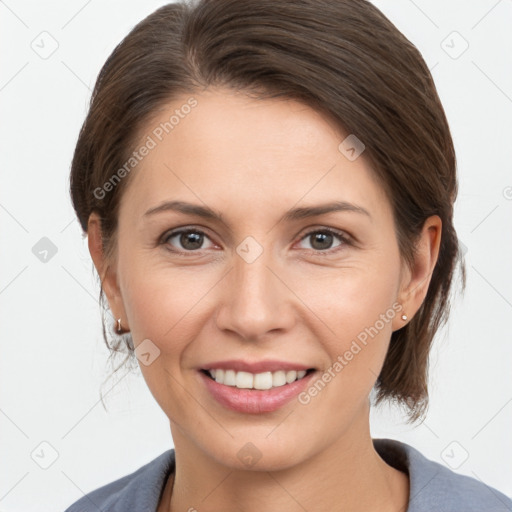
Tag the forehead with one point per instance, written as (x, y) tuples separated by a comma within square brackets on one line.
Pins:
[(235, 152)]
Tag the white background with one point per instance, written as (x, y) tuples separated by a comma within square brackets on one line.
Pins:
[(53, 360)]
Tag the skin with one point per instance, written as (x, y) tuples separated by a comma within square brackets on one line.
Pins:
[(252, 161)]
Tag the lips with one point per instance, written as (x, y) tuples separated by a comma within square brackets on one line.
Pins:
[(257, 387)]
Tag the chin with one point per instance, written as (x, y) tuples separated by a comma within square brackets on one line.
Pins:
[(260, 454)]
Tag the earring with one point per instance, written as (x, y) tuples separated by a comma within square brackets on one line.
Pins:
[(119, 328), (404, 317)]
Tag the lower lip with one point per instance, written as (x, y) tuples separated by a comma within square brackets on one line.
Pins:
[(255, 401)]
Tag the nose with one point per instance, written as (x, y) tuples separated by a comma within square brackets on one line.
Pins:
[(256, 300)]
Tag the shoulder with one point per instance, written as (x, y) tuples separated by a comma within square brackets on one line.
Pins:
[(137, 492), (435, 487)]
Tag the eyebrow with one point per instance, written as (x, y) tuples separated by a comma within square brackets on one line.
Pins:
[(294, 214)]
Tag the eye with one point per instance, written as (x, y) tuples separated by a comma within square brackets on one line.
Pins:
[(187, 240), (193, 240), (324, 240)]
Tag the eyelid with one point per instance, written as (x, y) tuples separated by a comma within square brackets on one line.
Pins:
[(343, 236), (163, 239)]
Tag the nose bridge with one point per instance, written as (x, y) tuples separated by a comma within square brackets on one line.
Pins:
[(252, 281), (255, 301)]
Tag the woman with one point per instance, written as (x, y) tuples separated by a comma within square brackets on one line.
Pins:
[(268, 189)]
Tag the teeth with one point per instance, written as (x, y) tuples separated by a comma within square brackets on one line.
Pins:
[(262, 381), (230, 378), (291, 376), (278, 379), (244, 380)]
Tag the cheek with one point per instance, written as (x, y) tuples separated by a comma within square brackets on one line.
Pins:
[(356, 306), (166, 304), (351, 299)]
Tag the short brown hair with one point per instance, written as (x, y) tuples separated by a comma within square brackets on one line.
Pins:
[(343, 58)]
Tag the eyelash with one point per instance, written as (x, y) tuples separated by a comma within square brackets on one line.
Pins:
[(343, 238)]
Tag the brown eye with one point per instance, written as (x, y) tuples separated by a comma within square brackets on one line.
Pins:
[(323, 240), (189, 240)]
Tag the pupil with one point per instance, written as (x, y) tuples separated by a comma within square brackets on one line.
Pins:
[(195, 240), (322, 240), (191, 240)]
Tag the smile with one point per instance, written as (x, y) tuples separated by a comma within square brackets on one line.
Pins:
[(255, 393), (259, 381)]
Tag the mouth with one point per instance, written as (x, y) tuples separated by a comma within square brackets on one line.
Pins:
[(256, 381), (255, 393)]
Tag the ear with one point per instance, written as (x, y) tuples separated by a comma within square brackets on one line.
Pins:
[(416, 280), (106, 270)]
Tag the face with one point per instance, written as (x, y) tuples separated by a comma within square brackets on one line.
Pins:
[(249, 244)]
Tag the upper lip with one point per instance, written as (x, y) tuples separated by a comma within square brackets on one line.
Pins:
[(256, 366)]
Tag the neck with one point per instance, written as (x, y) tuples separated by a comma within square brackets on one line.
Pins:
[(349, 475)]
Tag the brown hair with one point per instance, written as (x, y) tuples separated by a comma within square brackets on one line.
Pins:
[(343, 58)]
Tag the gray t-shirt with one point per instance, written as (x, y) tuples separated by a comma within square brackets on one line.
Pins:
[(433, 487)]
